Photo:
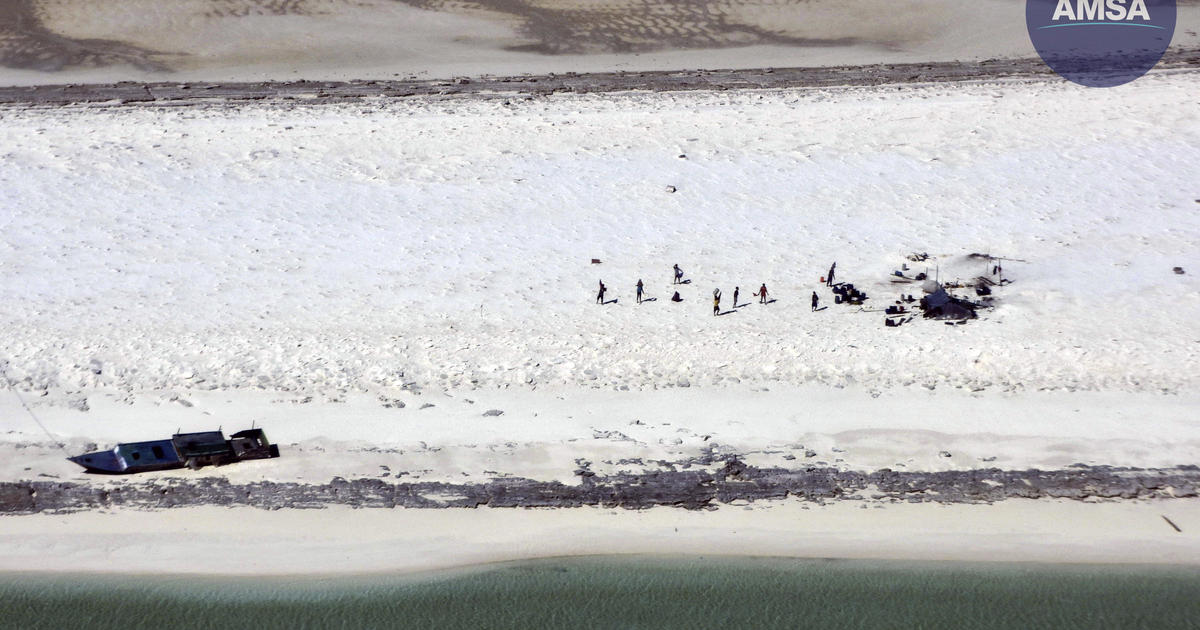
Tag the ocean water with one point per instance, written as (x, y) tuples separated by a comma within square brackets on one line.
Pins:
[(629, 592)]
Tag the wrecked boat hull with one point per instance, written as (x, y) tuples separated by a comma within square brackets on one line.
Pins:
[(193, 450)]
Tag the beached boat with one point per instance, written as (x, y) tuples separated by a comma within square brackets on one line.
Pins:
[(183, 449)]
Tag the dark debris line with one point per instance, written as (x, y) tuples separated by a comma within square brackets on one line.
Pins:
[(689, 489), (198, 93)]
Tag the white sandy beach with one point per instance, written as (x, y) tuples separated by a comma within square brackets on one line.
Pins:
[(541, 435), (338, 541), (308, 268)]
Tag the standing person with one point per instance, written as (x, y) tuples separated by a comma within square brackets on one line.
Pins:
[(716, 301), (639, 291), (735, 296), (829, 278), (815, 299), (600, 295), (678, 275), (762, 294)]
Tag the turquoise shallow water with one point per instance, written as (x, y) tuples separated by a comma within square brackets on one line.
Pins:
[(629, 592)]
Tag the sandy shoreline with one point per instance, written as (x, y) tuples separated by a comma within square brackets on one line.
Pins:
[(246, 40), (69, 41), (502, 87), (341, 541)]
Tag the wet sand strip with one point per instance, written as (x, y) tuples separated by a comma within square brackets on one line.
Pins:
[(692, 489), (542, 85)]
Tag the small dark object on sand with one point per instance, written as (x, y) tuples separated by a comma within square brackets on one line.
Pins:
[(595, 261), (1178, 270)]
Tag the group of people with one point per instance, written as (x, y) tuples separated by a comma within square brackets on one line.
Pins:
[(761, 294), (641, 291)]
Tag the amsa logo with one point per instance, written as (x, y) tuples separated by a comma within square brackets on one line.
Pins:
[(1114, 11), (1100, 43), (1111, 12)]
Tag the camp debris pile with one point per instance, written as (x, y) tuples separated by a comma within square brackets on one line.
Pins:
[(938, 302)]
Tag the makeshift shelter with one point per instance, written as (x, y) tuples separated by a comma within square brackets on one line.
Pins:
[(938, 304)]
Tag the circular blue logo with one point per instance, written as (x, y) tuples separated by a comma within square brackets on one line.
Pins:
[(1100, 43)]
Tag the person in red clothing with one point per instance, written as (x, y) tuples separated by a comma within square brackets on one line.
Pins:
[(762, 294)]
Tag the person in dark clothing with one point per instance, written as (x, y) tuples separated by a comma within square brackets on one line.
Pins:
[(600, 295), (678, 275), (639, 291), (735, 296), (716, 301), (762, 294), (676, 298), (829, 278), (815, 299)]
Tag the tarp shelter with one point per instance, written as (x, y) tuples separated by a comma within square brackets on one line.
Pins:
[(941, 305)]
